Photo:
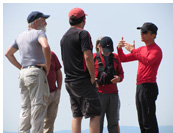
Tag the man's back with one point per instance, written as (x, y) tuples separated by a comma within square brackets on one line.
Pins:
[(73, 44), (29, 47)]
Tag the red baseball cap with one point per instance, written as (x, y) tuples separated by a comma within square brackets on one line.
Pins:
[(77, 12)]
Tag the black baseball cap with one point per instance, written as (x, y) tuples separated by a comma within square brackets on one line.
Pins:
[(35, 15), (148, 27), (107, 44)]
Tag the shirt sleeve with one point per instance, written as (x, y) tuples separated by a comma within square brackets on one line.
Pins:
[(95, 64), (14, 45), (41, 34), (151, 59), (86, 42), (125, 57), (120, 68)]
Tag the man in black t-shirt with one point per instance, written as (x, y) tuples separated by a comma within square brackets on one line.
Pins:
[(76, 51)]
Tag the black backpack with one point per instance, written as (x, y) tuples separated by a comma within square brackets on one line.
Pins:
[(105, 73)]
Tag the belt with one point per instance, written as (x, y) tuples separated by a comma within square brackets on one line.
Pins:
[(40, 67)]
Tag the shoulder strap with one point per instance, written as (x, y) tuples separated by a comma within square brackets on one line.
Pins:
[(100, 64), (97, 57), (113, 59)]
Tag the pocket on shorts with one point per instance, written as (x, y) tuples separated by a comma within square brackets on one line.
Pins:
[(20, 81), (93, 106), (31, 78)]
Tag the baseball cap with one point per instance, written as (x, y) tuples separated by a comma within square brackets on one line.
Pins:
[(148, 27), (77, 12), (107, 44), (35, 15)]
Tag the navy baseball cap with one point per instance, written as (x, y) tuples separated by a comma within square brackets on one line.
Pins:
[(107, 44), (148, 27), (35, 15)]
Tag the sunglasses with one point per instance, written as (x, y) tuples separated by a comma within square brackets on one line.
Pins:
[(144, 32)]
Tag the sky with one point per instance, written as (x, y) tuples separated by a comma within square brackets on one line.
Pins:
[(104, 19)]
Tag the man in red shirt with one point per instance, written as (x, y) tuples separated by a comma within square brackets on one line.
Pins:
[(54, 76), (149, 58), (108, 72)]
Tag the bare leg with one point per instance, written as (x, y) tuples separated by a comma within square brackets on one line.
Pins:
[(118, 128), (76, 124), (95, 124)]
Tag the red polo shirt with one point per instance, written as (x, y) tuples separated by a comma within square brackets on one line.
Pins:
[(149, 58)]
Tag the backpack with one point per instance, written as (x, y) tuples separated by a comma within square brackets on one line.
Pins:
[(105, 73)]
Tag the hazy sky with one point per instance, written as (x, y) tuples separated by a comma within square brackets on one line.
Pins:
[(109, 19)]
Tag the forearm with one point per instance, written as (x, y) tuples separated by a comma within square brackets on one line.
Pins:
[(125, 57), (90, 66), (13, 60), (47, 55), (89, 63), (59, 79), (10, 55), (121, 77), (120, 71), (121, 74), (46, 51)]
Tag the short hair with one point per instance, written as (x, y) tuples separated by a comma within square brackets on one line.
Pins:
[(32, 23), (74, 21), (153, 33)]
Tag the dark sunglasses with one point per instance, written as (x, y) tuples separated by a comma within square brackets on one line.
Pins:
[(144, 32)]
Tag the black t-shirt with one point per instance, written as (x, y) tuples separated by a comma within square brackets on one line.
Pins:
[(74, 42)]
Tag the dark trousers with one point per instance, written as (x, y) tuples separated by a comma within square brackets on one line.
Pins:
[(146, 95), (110, 108)]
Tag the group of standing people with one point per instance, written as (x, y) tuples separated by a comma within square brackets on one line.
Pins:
[(91, 79)]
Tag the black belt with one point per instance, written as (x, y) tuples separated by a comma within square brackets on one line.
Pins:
[(40, 67)]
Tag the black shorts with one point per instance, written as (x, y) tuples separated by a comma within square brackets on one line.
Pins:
[(84, 98)]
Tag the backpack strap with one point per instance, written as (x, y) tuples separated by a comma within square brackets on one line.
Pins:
[(97, 57), (113, 59), (100, 64), (108, 70)]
